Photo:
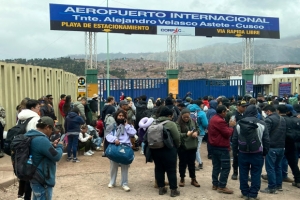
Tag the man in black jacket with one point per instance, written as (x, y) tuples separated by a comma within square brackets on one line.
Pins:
[(251, 161), (277, 130), (291, 152), (94, 106)]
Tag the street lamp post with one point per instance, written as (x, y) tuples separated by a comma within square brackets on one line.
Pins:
[(107, 61)]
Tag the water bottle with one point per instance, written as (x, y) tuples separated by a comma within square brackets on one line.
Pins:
[(29, 160)]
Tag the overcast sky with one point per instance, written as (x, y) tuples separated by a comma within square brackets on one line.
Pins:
[(25, 25)]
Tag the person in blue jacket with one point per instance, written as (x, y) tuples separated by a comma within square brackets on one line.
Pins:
[(202, 122), (73, 123), (44, 156)]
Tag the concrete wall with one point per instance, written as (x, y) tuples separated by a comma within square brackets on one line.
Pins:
[(295, 80), (19, 81)]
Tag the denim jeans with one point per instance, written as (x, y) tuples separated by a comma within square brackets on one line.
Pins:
[(273, 167), (198, 156), (284, 165), (72, 144), (221, 166), (39, 192), (253, 163), (97, 141)]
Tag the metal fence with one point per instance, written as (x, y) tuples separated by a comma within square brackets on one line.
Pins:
[(159, 87)]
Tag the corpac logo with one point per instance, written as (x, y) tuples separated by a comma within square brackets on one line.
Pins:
[(171, 30)]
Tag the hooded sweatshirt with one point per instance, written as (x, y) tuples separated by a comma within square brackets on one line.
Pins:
[(80, 106), (73, 122), (25, 114), (44, 156), (212, 110), (201, 118)]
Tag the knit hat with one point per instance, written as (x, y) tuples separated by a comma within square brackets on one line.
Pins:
[(165, 112), (184, 111), (169, 101)]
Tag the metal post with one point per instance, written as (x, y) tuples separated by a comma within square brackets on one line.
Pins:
[(248, 53), (90, 50), (107, 62), (173, 41)]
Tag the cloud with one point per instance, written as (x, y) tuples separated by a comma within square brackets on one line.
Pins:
[(25, 26)]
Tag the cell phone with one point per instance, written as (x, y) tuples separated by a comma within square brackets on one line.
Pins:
[(193, 129), (62, 138)]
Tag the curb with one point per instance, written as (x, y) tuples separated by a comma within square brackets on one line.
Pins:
[(8, 183)]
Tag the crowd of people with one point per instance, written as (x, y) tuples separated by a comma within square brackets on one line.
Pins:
[(256, 131)]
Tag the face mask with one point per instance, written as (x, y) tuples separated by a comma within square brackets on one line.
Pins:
[(120, 121)]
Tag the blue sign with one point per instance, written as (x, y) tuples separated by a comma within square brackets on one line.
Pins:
[(285, 88), (123, 20), (249, 86)]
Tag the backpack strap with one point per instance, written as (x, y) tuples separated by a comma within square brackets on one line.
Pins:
[(164, 122)]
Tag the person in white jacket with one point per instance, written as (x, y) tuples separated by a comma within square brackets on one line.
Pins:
[(85, 141), (31, 111)]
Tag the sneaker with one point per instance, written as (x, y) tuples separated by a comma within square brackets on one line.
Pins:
[(98, 149), (209, 157), (103, 155), (200, 166), (142, 152), (126, 188), (296, 184), (162, 190), (234, 176), (91, 152), (279, 188), (87, 154), (244, 197), (175, 193), (19, 198), (269, 191), (111, 185), (225, 190), (75, 160), (69, 159), (254, 198), (288, 180), (264, 176)]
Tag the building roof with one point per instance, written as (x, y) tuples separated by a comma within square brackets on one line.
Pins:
[(288, 66)]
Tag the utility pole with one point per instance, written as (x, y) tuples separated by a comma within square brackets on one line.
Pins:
[(107, 61)]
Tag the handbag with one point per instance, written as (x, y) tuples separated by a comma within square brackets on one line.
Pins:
[(122, 153)]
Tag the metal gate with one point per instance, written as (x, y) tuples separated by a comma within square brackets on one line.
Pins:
[(134, 87), (215, 88), (159, 87)]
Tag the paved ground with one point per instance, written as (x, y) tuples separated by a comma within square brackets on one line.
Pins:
[(89, 179)]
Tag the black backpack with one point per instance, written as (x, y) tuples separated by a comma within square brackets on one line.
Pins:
[(20, 152), (19, 129), (248, 138), (293, 129)]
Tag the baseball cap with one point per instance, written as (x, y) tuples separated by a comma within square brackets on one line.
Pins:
[(242, 103), (48, 121), (123, 102)]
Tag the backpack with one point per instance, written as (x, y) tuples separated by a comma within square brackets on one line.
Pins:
[(20, 153), (157, 136), (293, 129), (248, 139), (293, 100), (175, 116), (19, 129), (194, 116)]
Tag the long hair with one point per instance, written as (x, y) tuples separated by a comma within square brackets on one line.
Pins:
[(67, 104), (182, 123), (118, 112)]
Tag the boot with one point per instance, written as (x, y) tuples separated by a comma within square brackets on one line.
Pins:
[(162, 190), (181, 183), (195, 183), (234, 175), (175, 193), (225, 190), (156, 186)]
